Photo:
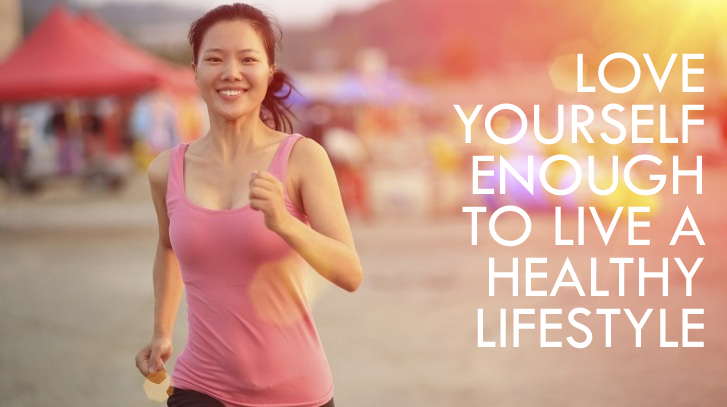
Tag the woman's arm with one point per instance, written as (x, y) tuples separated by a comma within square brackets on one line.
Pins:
[(327, 245), (168, 284)]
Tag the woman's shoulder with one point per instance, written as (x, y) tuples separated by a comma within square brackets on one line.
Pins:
[(309, 163), (307, 151), (158, 169)]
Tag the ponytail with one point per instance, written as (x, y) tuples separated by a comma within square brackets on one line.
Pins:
[(274, 110)]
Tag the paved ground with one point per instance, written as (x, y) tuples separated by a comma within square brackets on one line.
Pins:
[(76, 305)]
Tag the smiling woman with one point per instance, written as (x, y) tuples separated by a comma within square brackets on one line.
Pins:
[(241, 211), (218, 50)]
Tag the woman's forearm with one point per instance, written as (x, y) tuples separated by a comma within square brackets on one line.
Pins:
[(168, 287), (332, 259)]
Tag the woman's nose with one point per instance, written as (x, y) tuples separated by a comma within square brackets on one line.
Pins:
[(231, 70)]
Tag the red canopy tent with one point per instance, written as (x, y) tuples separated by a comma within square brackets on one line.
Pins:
[(175, 78), (64, 59)]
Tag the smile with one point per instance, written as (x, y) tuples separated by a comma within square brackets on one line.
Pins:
[(230, 92)]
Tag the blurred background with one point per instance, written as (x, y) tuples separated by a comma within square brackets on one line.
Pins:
[(92, 90)]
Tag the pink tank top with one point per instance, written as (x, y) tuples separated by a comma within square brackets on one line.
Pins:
[(252, 340)]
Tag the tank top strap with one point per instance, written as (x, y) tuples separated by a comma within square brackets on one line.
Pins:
[(279, 165), (174, 177)]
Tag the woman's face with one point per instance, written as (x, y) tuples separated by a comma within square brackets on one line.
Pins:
[(232, 69)]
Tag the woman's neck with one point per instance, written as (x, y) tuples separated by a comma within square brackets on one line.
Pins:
[(228, 139)]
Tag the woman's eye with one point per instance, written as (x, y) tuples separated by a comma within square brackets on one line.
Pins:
[(212, 59), (248, 60)]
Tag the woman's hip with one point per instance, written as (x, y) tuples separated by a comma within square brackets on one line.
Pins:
[(192, 398)]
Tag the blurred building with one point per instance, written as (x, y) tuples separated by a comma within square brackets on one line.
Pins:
[(167, 35), (10, 26)]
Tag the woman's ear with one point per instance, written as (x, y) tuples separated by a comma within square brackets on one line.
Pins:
[(194, 68), (273, 68)]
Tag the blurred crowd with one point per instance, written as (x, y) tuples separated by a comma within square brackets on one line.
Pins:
[(390, 160), (99, 141)]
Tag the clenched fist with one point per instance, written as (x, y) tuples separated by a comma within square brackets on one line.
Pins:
[(267, 195), (150, 359)]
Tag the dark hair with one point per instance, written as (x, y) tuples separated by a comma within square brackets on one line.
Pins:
[(274, 108)]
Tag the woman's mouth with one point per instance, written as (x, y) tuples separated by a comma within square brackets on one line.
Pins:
[(231, 93)]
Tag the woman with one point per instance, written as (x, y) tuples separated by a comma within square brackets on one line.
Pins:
[(237, 236)]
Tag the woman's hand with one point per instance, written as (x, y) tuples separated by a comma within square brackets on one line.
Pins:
[(267, 195), (150, 359)]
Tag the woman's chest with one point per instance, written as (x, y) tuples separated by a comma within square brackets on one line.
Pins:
[(223, 243)]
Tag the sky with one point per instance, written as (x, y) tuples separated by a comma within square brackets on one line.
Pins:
[(302, 13)]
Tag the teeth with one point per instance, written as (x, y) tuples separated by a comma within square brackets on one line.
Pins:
[(230, 92)]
